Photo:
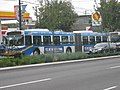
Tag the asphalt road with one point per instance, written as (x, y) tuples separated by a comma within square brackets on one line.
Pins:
[(91, 75)]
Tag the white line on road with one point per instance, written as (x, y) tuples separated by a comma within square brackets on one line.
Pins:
[(110, 88), (30, 82), (115, 67)]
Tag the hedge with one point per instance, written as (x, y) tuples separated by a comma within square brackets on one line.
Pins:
[(45, 58)]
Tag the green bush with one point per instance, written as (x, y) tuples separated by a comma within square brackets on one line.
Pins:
[(49, 58), (32, 60), (44, 58), (70, 56), (7, 62), (103, 54), (26, 60)]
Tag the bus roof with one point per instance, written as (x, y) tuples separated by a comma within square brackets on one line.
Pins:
[(38, 32), (82, 31), (89, 33), (41, 29)]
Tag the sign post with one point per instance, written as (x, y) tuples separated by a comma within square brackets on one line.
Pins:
[(20, 18)]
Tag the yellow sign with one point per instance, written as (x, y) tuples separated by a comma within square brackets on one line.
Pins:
[(11, 15), (96, 16)]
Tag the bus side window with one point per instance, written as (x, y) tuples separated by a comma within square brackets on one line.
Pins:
[(85, 40), (37, 40), (56, 40), (46, 40), (71, 39), (92, 39), (98, 39), (5, 41), (64, 39), (20, 41), (118, 39), (28, 40), (115, 38), (104, 38)]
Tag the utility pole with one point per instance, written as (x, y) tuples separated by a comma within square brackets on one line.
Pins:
[(20, 18), (0, 32)]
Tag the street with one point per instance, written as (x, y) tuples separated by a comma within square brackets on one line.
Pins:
[(91, 75)]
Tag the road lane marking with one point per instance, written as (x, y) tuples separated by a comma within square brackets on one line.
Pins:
[(25, 83), (110, 88), (115, 67)]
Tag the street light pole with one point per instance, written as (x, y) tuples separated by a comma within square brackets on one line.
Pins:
[(0, 32), (20, 18)]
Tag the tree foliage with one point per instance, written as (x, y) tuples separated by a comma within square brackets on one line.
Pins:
[(110, 12), (56, 14)]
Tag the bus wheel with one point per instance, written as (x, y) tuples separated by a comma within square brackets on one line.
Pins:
[(68, 50), (36, 52), (104, 51), (114, 50)]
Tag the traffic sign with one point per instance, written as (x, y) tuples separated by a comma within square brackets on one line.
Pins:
[(96, 16)]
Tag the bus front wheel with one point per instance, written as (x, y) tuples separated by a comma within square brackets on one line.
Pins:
[(36, 52)]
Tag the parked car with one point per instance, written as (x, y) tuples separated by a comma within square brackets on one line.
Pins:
[(103, 47)]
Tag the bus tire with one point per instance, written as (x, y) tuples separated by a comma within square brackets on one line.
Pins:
[(36, 52), (104, 51), (68, 50), (114, 51)]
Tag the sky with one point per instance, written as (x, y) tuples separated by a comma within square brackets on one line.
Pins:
[(81, 6)]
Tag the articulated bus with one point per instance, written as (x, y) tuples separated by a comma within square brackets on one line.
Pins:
[(41, 41)]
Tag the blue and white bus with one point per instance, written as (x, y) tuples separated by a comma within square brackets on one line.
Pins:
[(40, 41)]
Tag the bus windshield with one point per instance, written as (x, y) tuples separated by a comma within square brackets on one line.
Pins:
[(14, 40)]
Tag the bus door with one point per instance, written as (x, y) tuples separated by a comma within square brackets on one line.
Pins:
[(78, 42)]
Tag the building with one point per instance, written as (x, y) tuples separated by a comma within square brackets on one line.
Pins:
[(86, 22), (81, 23), (13, 23)]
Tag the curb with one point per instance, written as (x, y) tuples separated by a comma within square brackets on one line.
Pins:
[(56, 63)]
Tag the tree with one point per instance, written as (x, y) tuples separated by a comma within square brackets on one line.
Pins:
[(110, 12), (56, 14)]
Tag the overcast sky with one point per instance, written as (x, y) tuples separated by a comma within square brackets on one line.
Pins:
[(81, 6)]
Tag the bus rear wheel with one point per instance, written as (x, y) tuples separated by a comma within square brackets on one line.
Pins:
[(36, 52), (68, 50)]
